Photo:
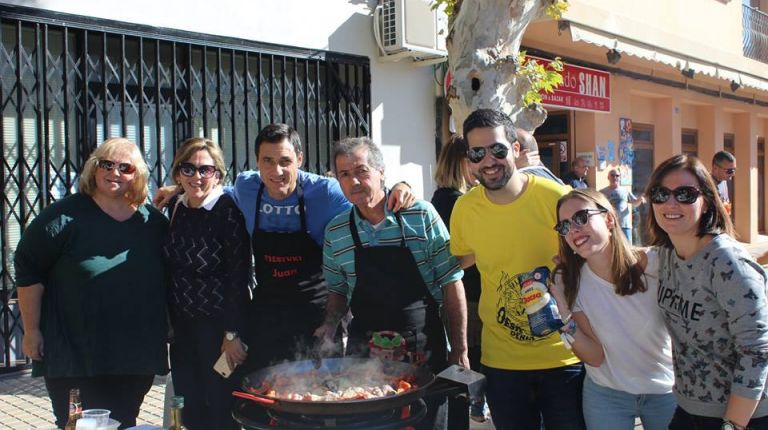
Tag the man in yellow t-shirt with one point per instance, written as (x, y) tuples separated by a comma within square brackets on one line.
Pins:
[(505, 226)]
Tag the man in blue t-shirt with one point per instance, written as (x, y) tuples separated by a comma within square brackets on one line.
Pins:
[(577, 177), (621, 198)]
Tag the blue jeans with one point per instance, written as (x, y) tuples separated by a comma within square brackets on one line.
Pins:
[(609, 409), (519, 399)]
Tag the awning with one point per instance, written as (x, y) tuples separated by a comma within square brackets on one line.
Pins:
[(580, 33)]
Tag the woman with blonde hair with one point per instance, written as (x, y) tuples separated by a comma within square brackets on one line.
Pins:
[(453, 180), (207, 293), (90, 280), (712, 296), (607, 290)]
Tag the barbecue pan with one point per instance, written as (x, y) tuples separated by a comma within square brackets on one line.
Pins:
[(252, 384)]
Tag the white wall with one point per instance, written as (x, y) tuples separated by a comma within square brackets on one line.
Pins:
[(403, 114)]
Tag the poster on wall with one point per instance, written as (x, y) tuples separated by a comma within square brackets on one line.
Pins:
[(602, 153), (626, 151)]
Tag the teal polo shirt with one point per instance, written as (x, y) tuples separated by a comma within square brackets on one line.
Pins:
[(425, 236)]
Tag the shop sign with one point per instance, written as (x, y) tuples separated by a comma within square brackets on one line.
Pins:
[(582, 88)]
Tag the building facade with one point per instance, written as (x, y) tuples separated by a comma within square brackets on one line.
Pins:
[(687, 76)]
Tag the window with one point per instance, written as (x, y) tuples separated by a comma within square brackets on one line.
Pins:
[(67, 83), (690, 140)]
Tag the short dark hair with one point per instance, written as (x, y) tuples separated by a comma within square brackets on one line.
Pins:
[(721, 156), (276, 133), (490, 118), (714, 221)]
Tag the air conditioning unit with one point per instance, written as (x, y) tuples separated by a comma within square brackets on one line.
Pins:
[(410, 28)]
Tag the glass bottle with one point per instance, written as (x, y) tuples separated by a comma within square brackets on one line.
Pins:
[(177, 406), (75, 409)]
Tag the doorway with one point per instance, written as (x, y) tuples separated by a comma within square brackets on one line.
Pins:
[(642, 167)]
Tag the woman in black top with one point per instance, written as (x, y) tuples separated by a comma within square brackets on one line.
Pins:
[(91, 288), (208, 257), (453, 179)]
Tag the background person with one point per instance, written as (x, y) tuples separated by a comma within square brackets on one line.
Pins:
[(712, 296), (723, 169), (90, 277), (577, 177), (208, 257), (505, 224), (616, 324), (529, 161), (453, 180), (620, 199)]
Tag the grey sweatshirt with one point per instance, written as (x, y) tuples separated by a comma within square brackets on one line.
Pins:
[(714, 305)]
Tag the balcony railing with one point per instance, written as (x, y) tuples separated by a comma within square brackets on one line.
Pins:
[(755, 34)]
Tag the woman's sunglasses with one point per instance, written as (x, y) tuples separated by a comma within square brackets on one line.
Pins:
[(123, 168), (498, 150), (579, 219), (189, 170), (686, 195)]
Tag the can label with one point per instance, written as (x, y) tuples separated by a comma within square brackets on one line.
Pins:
[(540, 306)]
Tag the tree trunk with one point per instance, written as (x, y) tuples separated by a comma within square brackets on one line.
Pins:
[(483, 46)]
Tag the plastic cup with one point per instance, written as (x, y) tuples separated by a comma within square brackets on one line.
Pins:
[(87, 424), (99, 416)]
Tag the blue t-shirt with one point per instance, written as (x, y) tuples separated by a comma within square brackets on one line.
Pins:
[(323, 200), (620, 198)]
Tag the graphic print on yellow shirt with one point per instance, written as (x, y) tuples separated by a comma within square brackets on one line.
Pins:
[(509, 240)]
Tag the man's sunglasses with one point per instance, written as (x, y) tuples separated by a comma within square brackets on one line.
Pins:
[(686, 195), (729, 171), (123, 168), (579, 219), (189, 170), (498, 150)]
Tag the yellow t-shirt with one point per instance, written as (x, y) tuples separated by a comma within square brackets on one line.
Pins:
[(508, 240)]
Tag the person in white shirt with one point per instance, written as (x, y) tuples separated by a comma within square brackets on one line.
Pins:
[(606, 291)]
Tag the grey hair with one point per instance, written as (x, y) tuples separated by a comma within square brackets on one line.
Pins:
[(350, 145)]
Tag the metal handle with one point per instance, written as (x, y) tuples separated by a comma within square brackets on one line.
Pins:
[(256, 399)]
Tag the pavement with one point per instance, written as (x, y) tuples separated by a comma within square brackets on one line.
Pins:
[(24, 404)]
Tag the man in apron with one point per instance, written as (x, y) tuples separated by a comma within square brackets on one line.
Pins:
[(393, 270), (286, 210)]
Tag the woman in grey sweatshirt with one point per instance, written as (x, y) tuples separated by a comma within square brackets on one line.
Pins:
[(712, 295)]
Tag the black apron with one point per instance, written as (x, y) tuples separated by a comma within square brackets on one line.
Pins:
[(289, 301), (390, 294)]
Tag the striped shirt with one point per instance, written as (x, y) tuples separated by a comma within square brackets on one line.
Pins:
[(425, 235)]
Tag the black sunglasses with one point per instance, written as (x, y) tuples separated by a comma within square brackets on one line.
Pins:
[(498, 150), (580, 218), (729, 171), (189, 170), (686, 195), (123, 168)]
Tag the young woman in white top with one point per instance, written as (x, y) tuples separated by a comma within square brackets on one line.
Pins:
[(615, 325)]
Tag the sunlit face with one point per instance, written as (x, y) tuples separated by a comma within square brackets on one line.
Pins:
[(723, 170), (590, 239), (675, 218), (493, 173), (279, 167), (112, 183), (613, 178), (361, 183), (196, 187)]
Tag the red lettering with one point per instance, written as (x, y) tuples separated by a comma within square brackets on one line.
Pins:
[(284, 273)]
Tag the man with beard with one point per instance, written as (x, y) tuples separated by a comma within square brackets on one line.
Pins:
[(505, 225)]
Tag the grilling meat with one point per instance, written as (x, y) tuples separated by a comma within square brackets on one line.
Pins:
[(317, 386)]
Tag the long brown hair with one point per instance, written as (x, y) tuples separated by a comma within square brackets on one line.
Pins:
[(626, 269), (714, 220), (451, 165)]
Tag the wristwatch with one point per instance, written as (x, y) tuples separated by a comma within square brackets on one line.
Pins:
[(231, 335), (727, 425)]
